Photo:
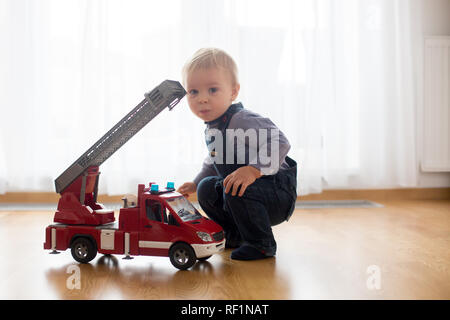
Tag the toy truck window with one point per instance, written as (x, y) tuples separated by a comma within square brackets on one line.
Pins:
[(184, 209), (153, 210)]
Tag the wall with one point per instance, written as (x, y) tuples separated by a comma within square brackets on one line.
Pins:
[(436, 17)]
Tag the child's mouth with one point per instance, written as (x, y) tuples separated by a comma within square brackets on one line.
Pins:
[(204, 111)]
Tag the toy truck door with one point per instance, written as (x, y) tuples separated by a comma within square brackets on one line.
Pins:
[(155, 233)]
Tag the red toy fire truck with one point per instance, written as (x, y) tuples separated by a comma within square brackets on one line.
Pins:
[(161, 223)]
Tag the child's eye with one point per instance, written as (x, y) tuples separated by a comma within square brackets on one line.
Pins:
[(193, 92), (213, 90)]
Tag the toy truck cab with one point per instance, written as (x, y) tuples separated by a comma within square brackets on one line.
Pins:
[(166, 224)]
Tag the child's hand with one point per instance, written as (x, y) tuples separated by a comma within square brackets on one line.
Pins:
[(244, 176), (187, 188)]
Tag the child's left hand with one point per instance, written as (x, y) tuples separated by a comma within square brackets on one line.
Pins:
[(243, 176)]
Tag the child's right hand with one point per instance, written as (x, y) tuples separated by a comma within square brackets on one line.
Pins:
[(187, 188)]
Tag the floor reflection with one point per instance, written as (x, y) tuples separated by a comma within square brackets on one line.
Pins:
[(110, 277)]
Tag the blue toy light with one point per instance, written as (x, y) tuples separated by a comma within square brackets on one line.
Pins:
[(170, 185), (154, 188)]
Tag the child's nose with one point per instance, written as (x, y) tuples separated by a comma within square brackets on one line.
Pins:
[(203, 98)]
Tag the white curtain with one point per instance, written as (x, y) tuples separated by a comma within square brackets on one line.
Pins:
[(337, 77)]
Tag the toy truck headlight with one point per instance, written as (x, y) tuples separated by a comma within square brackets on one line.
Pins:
[(204, 236)]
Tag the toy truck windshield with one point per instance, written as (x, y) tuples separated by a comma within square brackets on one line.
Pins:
[(184, 209)]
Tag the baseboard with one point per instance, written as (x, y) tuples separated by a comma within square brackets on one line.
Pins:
[(367, 194), (382, 194)]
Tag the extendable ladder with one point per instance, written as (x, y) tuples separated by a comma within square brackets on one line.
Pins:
[(167, 94)]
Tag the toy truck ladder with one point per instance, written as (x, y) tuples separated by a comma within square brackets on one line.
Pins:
[(167, 94), (80, 180)]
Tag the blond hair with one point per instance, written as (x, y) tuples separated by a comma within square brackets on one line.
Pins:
[(206, 58)]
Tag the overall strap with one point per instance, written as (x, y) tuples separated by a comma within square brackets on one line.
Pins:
[(221, 124)]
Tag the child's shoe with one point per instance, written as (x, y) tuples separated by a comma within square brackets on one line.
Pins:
[(246, 252)]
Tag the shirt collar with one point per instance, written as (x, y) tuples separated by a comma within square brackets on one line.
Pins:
[(224, 117)]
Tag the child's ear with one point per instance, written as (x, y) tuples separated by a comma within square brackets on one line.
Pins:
[(235, 91)]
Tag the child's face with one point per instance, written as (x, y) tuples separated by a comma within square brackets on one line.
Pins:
[(210, 92)]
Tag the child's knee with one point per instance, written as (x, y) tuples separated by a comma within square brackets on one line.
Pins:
[(206, 189)]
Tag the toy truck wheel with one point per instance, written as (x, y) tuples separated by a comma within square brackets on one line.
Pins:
[(182, 256), (83, 250)]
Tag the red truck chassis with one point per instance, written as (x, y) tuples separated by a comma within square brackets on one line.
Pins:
[(163, 223)]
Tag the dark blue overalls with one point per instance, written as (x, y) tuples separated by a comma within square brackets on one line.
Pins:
[(269, 201)]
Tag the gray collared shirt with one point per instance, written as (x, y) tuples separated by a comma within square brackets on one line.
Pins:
[(274, 140)]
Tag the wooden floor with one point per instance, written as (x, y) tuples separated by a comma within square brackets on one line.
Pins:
[(401, 251)]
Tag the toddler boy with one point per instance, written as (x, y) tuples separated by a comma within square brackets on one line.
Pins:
[(236, 188)]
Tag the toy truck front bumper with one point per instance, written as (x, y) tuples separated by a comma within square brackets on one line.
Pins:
[(208, 249)]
